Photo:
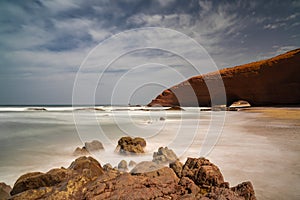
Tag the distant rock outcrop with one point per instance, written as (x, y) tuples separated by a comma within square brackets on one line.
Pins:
[(86, 179), (273, 81)]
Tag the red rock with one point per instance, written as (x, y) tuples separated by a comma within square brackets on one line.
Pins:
[(273, 81)]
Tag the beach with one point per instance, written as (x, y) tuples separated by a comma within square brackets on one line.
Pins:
[(258, 144)]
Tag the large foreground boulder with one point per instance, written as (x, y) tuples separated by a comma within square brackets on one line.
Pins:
[(202, 172), (128, 145)]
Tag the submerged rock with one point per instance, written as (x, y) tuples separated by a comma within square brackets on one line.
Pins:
[(122, 166), (240, 104), (164, 155), (175, 108), (128, 145), (132, 163), (94, 145), (80, 151), (88, 147)]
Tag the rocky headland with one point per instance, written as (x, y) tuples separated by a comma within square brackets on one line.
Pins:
[(269, 82)]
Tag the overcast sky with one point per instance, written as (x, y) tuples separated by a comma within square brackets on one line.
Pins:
[(43, 43)]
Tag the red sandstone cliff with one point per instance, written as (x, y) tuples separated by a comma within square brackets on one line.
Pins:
[(274, 81)]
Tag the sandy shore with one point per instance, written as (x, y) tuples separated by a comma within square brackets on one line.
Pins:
[(266, 151)]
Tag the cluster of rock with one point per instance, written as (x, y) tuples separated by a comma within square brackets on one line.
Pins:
[(85, 178), (88, 147), (128, 145)]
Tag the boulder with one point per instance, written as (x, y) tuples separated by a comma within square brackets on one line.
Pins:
[(240, 104), (132, 163), (202, 172), (88, 147), (107, 167), (164, 155), (122, 166), (128, 145), (245, 190), (94, 145), (81, 152), (87, 166), (145, 166), (36, 180), (4, 191), (177, 167)]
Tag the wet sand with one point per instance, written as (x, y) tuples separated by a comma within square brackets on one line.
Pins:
[(265, 151)]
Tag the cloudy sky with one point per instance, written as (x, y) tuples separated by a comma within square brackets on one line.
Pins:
[(43, 43)]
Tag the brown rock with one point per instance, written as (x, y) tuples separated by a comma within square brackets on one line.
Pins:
[(202, 172), (145, 166), (164, 155), (122, 166), (245, 190), (177, 167), (94, 145), (88, 147), (81, 152), (263, 83), (4, 191), (128, 145)]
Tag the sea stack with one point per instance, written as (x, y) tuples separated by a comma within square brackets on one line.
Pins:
[(269, 82)]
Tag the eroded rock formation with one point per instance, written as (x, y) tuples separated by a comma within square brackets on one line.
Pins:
[(273, 81)]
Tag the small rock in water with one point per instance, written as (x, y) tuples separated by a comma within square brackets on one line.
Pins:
[(107, 167), (164, 155), (95, 145), (175, 108), (80, 151), (128, 145), (132, 163), (88, 147), (122, 166), (240, 104)]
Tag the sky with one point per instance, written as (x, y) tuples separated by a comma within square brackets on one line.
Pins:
[(128, 51)]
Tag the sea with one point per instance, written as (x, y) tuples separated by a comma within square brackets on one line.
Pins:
[(245, 146)]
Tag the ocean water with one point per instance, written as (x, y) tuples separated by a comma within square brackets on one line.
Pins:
[(246, 146)]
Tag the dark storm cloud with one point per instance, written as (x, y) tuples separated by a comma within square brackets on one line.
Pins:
[(42, 41)]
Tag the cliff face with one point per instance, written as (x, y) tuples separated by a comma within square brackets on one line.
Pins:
[(275, 81)]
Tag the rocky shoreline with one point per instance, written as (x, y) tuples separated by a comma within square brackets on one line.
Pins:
[(165, 177)]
